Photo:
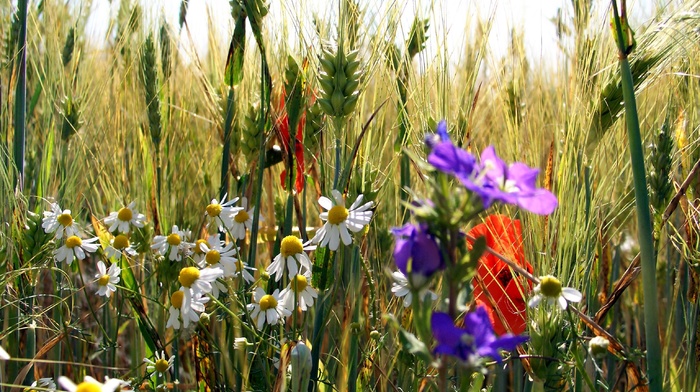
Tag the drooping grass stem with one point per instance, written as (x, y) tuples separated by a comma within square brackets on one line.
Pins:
[(644, 224)]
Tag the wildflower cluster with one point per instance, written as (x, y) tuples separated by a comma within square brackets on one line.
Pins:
[(497, 280)]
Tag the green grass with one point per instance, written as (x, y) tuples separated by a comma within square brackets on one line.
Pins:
[(90, 147)]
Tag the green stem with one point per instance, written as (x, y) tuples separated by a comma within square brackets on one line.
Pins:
[(225, 155), (21, 95), (644, 225)]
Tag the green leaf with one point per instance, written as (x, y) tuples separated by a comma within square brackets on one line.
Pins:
[(234, 60), (413, 345)]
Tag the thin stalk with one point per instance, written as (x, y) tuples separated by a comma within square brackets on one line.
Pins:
[(21, 96), (176, 363), (644, 225), (225, 155)]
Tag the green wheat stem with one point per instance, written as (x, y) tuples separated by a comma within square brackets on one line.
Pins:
[(225, 155), (21, 96), (644, 224)]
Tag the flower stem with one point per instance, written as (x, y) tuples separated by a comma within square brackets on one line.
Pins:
[(644, 225)]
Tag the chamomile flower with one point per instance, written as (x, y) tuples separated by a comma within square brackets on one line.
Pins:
[(243, 269), (218, 287), (59, 221), (75, 247), (161, 365), (119, 246), (185, 309), (299, 293), (122, 220), (90, 385), (401, 288), (45, 383), (215, 255), (338, 220), (174, 245), (292, 256), (197, 252), (242, 220), (220, 214), (550, 289), (267, 308), (199, 280), (107, 278)]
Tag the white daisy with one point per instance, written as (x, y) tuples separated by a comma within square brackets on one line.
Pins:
[(107, 278), (242, 220), (197, 252), (299, 293), (59, 221), (215, 255), (550, 289), (401, 288), (76, 247), (340, 219), (46, 383), (161, 365), (90, 385), (185, 309), (123, 219), (119, 246), (4, 356), (267, 308), (291, 253), (173, 245), (220, 214), (243, 269), (199, 281), (218, 287)]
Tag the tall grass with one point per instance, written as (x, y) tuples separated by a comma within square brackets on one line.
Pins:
[(134, 121)]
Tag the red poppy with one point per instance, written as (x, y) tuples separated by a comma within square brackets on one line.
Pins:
[(503, 235), (282, 125)]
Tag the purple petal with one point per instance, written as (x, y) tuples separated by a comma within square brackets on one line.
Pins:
[(445, 331), (540, 201)]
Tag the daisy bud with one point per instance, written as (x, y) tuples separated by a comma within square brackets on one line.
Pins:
[(598, 346)]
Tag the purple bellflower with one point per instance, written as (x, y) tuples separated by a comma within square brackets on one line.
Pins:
[(492, 179), (513, 184), (473, 342), (416, 253), (440, 135)]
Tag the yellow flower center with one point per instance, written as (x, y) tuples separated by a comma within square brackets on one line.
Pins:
[(162, 365), (239, 266), (197, 248), (337, 214), (213, 257), (125, 214), (174, 239), (241, 217), (73, 241), (65, 220), (188, 275), (550, 286), (87, 386), (291, 245), (299, 283), (267, 302), (176, 299), (104, 279), (214, 210), (120, 242)]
